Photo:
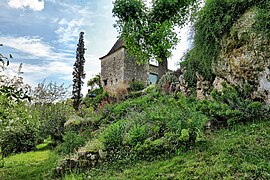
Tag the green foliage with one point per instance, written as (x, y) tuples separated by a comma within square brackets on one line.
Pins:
[(72, 141), (166, 80), (18, 128), (151, 125), (96, 101), (19, 138), (94, 83), (52, 118), (262, 24), (236, 153), (136, 85), (232, 105), (215, 20), (78, 73), (112, 137), (148, 32)]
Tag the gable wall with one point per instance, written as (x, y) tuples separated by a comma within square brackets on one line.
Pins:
[(112, 68)]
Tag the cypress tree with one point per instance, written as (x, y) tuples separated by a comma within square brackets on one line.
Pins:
[(78, 73)]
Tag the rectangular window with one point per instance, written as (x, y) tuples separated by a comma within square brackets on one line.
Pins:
[(152, 78)]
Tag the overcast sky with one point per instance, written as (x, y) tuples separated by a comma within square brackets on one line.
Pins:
[(43, 34)]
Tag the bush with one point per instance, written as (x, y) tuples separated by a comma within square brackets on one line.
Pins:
[(151, 125), (19, 138), (18, 130), (112, 137), (136, 85), (232, 105), (166, 80), (72, 141), (52, 118)]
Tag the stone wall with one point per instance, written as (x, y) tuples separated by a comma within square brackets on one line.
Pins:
[(112, 68), (133, 71), (81, 160)]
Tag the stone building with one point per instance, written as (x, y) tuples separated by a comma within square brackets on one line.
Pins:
[(117, 68)]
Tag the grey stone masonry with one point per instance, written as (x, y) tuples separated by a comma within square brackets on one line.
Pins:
[(117, 67)]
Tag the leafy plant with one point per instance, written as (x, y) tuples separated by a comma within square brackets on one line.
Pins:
[(52, 118), (112, 137), (232, 105), (18, 128), (213, 21), (72, 141), (166, 80), (136, 86)]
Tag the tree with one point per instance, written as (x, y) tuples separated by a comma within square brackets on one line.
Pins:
[(94, 83), (149, 32), (78, 73), (49, 93)]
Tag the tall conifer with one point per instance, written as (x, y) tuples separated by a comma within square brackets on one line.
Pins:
[(78, 73)]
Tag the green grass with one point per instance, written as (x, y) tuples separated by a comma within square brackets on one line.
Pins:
[(31, 165), (242, 152), (239, 153)]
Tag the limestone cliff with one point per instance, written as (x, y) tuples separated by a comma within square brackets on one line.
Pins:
[(245, 58)]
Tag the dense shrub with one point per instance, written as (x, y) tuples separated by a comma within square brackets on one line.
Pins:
[(73, 140), (112, 137), (93, 101), (166, 80), (136, 85), (215, 20), (18, 128), (232, 105), (52, 118), (151, 125), (263, 18)]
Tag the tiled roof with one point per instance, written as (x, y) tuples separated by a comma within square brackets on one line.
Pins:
[(116, 46)]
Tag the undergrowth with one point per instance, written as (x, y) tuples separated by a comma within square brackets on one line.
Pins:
[(237, 153), (215, 20)]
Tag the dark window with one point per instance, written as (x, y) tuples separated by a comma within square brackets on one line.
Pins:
[(116, 80), (105, 82)]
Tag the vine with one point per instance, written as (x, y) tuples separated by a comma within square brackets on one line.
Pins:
[(215, 20)]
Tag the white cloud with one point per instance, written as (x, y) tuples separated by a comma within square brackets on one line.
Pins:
[(68, 31), (34, 74), (33, 46), (35, 5)]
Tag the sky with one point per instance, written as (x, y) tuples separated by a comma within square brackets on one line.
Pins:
[(43, 35)]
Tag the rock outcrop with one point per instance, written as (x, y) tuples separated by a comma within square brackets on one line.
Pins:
[(245, 58)]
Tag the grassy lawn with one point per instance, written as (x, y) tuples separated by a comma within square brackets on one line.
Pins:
[(31, 165), (239, 153)]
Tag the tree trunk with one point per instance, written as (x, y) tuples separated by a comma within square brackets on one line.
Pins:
[(162, 67)]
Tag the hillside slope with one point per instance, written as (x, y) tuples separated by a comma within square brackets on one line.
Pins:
[(241, 152)]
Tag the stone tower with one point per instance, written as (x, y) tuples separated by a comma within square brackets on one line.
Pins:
[(117, 68)]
